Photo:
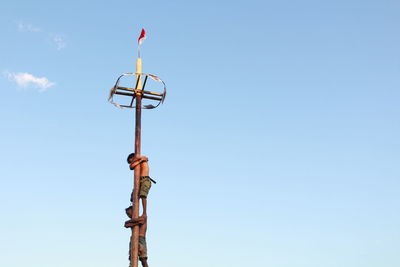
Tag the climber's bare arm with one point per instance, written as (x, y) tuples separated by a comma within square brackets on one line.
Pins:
[(135, 163), (138, 160)]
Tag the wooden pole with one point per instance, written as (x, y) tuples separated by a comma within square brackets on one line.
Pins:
[(136, 184)]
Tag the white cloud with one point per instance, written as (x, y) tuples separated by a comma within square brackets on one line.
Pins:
[(26, 80), (26, 27), (59, 41)]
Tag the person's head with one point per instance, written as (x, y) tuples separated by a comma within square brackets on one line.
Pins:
[(129, 159), (128, 211)]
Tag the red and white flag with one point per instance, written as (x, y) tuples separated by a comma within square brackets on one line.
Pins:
[(142, 36)]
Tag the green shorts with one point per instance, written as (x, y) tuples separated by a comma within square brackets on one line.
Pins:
[(142, 247), (145, 185)]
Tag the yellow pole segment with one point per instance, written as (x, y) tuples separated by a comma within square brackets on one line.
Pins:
[(139, 70)]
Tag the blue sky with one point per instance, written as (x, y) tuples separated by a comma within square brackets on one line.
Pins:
[(277, 144)]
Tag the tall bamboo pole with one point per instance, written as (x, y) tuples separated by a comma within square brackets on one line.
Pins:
[(134, 249)]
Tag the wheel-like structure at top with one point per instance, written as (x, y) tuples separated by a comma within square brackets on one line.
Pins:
[(151, 99)]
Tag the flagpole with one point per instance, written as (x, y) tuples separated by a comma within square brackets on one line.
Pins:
[(134, 249), (136, 94)]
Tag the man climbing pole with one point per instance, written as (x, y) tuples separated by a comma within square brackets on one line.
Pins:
[(145, 180), (145, 185), (142, 222)]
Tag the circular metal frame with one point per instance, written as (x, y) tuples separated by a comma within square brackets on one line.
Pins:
[(159, 97)]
